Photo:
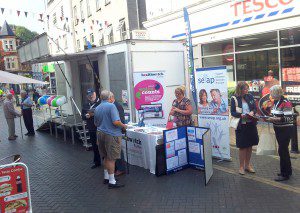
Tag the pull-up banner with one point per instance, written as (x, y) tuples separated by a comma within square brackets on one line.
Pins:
[(211, 84), (188, 147)]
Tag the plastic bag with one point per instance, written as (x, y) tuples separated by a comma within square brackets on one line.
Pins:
[(267, 143)]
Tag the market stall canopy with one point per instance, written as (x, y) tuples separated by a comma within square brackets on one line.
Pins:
[(10, 78)]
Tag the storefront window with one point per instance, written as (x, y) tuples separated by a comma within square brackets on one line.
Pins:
[(290, 37), (253, 42), (221, 47), (290, 60), (255, 65), (219, 61)]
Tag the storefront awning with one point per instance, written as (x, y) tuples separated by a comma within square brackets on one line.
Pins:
[(10, 78), (67, 57)]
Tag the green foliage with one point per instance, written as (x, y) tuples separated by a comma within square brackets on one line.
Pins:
[(23, 33), (231, 91)]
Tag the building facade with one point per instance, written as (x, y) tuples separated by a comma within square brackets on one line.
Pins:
[(102, 22), (59, 26), (249, 37), (9, 60)]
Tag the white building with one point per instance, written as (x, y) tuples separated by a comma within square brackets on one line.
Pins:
[(59, 26), (250, 37), (103, 22)]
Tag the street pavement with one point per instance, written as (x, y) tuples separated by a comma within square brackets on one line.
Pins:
[(62, 181)]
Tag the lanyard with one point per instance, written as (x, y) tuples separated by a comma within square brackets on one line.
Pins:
[(91, 106)]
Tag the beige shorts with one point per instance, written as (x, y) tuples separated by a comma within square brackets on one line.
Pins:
[(109, 146)]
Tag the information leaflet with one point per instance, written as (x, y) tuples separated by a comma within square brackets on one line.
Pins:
[(213, 112)]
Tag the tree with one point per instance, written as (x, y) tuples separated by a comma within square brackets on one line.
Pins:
[(24, 34)]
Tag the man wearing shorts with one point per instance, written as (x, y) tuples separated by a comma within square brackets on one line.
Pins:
[(109, 137)]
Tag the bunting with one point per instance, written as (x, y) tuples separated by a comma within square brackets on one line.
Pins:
[(18, 12), (26, 14), (2, 10)]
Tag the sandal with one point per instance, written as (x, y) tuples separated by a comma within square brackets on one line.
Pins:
[(250, 170), (241, 171)]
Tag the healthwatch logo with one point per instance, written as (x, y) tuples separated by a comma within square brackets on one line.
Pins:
[(206, 79)]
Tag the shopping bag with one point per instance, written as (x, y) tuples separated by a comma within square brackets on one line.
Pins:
[(233, 121), (170, 123), (267, 143)]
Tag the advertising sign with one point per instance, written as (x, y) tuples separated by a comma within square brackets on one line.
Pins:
[(213, 112), (14, 189), (190, 54), (149, 92), (291, 84)]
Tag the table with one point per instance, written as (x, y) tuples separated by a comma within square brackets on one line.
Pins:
[(141, 147)]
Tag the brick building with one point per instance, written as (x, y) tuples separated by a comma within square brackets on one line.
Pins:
[(9, 60)]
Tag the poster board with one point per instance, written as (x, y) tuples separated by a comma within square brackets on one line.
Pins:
[(149, 95), (191, 144), (15, 189), (213, 111), (176, 149)]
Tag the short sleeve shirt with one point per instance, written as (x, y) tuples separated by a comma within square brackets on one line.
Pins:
[(27, 100), (105, 114), (180, 119)]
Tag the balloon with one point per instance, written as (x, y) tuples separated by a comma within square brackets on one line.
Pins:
[(43, 100), (61, 100), (49, 100)]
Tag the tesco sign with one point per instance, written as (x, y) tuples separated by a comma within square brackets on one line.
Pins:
[(250, 6)]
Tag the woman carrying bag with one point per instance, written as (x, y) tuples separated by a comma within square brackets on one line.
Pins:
[(243, 107)]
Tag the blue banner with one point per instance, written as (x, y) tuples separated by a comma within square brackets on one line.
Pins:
[(190, 55)]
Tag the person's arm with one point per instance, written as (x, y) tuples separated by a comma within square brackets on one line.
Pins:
[(188, 111), (233, 111), (96, 118), (116, 118), (28, 102), (12, 110)]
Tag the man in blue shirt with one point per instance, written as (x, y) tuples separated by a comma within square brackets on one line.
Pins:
[(26, 105), (109, 137)]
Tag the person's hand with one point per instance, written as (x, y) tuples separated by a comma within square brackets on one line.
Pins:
[(125, 126), (174, 109), (251, 113)]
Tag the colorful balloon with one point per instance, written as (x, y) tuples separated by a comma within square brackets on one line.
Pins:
[(61, 100), (43, 100), (49, 100)]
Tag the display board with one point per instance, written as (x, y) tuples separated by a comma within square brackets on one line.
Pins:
[(149, 94), (15, 190), (213, 112), (188, 147)]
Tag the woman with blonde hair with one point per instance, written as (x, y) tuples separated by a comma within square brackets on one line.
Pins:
[(246, 132), (181, 108)]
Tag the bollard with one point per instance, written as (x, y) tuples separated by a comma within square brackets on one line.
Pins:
[(294, 140)]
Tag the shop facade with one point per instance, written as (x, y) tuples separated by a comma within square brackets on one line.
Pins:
[(250, 37)]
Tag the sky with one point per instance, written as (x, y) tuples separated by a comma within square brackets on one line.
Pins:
[(30, 6)]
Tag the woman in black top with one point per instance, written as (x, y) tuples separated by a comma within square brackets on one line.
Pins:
[(246, 132)]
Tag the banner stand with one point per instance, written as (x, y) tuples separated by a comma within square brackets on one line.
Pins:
[(188, 147)]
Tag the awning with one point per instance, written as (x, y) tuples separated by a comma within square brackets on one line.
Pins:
[(67, 57), (10, 78)]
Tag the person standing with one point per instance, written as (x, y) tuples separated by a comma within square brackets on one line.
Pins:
[(246, 132), (10, 114), (120, 169), (88, 115), (282, 119), (181, 108), (26, 104), (109, 136)]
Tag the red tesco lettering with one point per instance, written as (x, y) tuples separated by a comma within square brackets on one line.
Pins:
[(250, 6)]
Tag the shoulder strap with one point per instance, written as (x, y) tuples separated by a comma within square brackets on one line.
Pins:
[(235, 100)]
